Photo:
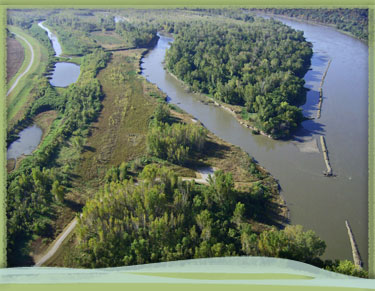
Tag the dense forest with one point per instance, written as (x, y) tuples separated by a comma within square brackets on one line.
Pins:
[(163, 218), (353, 21), (258, 64)]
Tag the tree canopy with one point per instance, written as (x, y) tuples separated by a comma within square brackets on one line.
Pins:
[(258, 64)]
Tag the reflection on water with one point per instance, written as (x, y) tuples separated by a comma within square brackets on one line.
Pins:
[(65, 74)]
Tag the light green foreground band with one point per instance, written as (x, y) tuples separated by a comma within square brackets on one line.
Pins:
[(234, 271)]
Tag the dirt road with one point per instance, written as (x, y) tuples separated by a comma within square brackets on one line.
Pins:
[(57, 243)]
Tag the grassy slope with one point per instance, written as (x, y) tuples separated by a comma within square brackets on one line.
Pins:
[(20, 96)]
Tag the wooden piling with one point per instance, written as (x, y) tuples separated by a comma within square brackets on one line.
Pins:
[(356, 256)]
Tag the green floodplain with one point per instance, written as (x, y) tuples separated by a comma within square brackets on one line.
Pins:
[(125, 166)]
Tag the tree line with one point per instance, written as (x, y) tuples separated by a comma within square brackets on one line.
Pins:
[(352, 20)]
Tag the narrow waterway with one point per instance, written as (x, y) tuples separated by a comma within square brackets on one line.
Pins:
[(55, 43), (315, 201), (64, 73)]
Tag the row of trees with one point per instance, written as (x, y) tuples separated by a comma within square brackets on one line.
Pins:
[(258, 64), (352, 20)]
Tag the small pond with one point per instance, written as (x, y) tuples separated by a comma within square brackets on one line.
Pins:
[(26, 144), (65, 74)]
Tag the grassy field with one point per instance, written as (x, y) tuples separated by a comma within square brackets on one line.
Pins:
[(19, 99), (118, 135), (109, 39), (120, 132), (15, 57)]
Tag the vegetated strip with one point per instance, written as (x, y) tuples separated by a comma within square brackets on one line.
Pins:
[(129, 104)]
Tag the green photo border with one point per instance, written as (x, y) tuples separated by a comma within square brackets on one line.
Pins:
[(4, 4)]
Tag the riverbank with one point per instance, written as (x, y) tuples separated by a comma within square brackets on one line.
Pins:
[(231, 161), (235, 110)]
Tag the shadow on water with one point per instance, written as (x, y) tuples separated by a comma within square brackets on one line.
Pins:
[(313, 76), (318, 64), (309, 128), (311, 105)]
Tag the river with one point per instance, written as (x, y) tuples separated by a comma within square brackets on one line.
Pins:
[(317, 202)]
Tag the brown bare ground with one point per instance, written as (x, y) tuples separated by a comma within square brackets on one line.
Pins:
[(44, 120), (15, 57)]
